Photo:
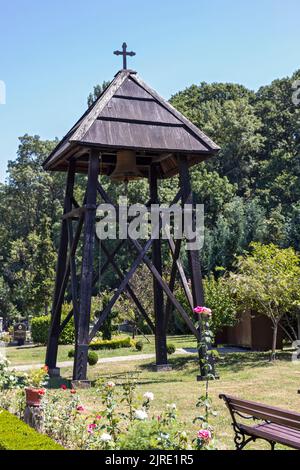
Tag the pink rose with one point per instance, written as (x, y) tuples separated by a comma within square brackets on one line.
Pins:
[(98, 417), (63, 387), (80, 408), (90, 428), (203, 311), (73, 391), (204, 434), (110, 384)]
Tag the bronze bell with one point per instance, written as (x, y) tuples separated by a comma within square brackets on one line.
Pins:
[(126, 168)]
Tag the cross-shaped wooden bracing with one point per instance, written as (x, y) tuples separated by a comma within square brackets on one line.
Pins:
[(81, 285)]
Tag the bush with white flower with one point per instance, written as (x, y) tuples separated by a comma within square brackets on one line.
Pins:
[(141, 415), (8, 379)]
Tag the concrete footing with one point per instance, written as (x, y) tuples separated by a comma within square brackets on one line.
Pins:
[(202, 378), (163, 367), (55, 372), (81, 384)]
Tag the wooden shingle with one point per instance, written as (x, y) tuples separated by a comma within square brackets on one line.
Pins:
[(130, 115)]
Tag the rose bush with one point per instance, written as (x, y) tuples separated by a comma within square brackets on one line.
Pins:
[(8, 379), (122, 422)]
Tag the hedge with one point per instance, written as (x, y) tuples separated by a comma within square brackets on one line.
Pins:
[(40, 329), (111, 343), (16, 435)]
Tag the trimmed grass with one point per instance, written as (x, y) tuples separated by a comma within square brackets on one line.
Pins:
[(249, 375), (36, 354)]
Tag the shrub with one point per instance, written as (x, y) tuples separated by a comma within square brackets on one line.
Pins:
[(71, 353), (111, 344), (139, 345), (40, 329), (171, 348), (141, 436), (92, 358), (5, 337), (8, 379), (38, 377), (16, 435)]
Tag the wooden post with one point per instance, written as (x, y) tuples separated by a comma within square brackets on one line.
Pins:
[(86, 282), (160, 330), (193, 255), (52, 346)]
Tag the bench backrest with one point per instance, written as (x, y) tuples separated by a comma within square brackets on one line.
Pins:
[(245, 408)]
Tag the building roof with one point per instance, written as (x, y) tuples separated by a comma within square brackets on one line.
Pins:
[(130, 115)]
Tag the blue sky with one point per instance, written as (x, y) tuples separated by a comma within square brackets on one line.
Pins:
[(53, 52)]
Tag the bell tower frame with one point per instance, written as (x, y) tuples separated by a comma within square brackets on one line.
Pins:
[(165, 144)]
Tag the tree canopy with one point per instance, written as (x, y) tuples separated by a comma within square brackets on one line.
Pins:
[(251, 190)]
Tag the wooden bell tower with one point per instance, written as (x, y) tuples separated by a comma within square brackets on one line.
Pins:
[(131, 119)]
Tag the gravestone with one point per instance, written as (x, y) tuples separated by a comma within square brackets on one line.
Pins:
[(20, 333)]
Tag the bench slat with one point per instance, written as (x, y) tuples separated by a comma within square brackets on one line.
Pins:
[(268, 415), (262, 407), (288, 431), (278, 436)]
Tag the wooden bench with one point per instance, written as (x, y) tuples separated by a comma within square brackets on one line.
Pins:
[(276, 426)]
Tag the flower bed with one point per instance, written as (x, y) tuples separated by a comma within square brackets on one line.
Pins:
[(16, 435), (123, 420)]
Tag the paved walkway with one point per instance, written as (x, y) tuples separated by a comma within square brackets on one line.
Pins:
[(104, 360), (136, 357)]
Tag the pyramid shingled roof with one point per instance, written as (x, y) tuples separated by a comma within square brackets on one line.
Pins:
[(130, 115)]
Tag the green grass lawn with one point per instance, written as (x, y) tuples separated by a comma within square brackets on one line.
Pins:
[(247, 375), (36, 354)]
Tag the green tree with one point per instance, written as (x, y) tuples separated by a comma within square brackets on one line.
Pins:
[(98, 90), (7, 309), (267, 280), (219, 298), (226, 113)]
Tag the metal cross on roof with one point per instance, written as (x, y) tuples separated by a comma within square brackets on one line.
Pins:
[(124, 53)]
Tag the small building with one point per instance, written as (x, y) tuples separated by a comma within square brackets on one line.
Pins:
[(253, 331)]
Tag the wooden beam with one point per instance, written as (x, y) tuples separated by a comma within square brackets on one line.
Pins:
[(81, 349), (95, 280), (74, 213), (66, 321), (67, 269), (74, 284), (129, 288), (134, 267), (169, 305), (159, 311), (167, 290), (54, 330), (177, 266), (193, 255), (121, 288)]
